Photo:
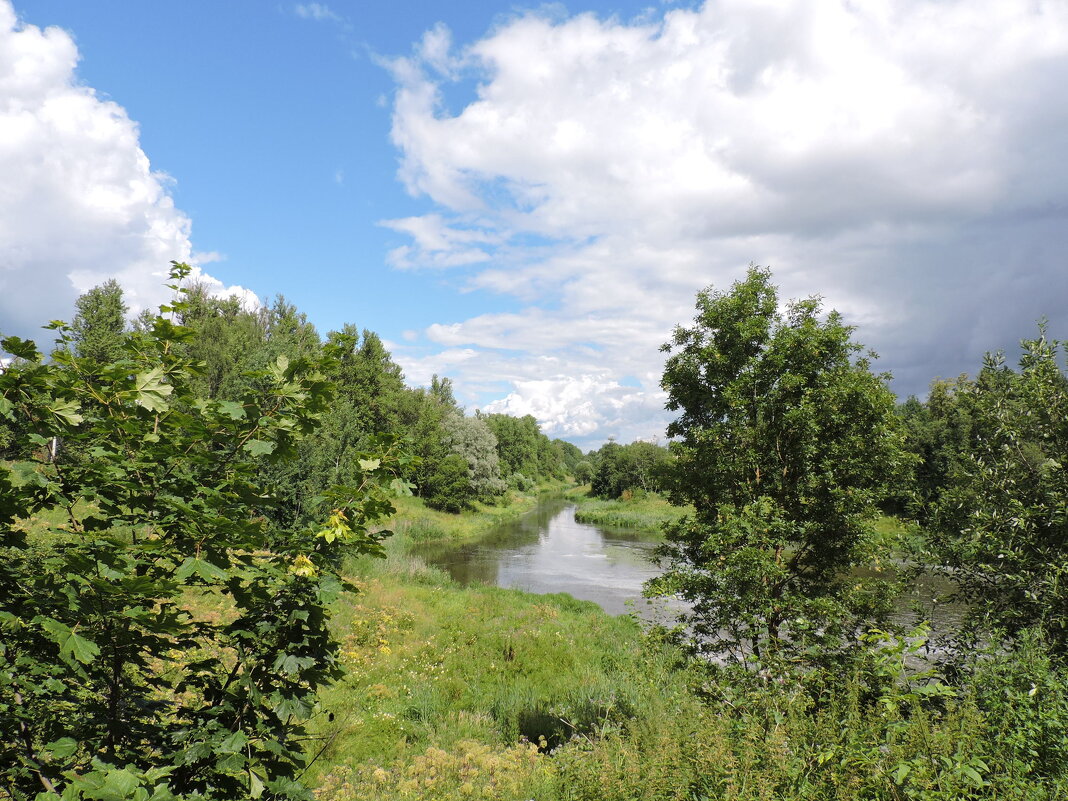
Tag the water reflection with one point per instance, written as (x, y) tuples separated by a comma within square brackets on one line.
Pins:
[(549, 551)]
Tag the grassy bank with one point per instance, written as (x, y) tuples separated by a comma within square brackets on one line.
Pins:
[(416, 522), (456, 692), (483, 693), (645, 512)]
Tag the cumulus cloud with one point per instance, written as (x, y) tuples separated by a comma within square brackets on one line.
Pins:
[(902, 158), (79, 201)]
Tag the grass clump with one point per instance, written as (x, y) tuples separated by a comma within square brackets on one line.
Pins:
[(642, 511), (461, 692)]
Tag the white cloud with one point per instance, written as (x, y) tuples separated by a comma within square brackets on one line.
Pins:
[(316, 11), (79, 201), (578, 407), (904, 159)]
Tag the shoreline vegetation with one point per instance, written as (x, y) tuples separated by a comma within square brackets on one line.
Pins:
[(480, 692), (414, 521), (646, 512)]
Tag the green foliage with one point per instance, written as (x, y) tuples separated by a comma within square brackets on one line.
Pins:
[(639, 466), (1001, 526), (939, 433), (518, 441), (570, 454), (98, 327), (786, 443), (159, 648), (471, 439), (646, 512), (448, 487), (444, 680), (583, 471)]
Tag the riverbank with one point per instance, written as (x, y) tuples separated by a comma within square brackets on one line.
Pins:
[(646, 512), (460, 692), (417, 522), (478, 692)]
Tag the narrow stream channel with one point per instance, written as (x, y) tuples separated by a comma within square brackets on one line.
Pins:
[(548, 551)]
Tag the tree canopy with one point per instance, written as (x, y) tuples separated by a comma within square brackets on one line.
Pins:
[(785, 442)]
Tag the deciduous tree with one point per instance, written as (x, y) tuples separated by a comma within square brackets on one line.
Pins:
[(786, 441), (153, 642), (1000, 528)]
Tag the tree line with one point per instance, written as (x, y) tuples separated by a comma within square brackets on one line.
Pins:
[(455, 458)]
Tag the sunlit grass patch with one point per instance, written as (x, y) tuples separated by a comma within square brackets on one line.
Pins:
[(469, 679)]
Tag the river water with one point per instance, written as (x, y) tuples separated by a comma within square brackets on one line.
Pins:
[(548, 551)]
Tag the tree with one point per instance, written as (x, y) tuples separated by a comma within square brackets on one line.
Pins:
[(939, 434), (1000, 528), (517, 443), (786, 441), (229, 341), (471, 439), (369, 378), (448, 487), (155, 643), (99, 324), (583, 471), (637, 466)]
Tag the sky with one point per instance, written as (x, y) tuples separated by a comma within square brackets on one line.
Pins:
[(526, 198)]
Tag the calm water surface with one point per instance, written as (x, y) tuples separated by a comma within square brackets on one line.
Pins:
[(549, 551)]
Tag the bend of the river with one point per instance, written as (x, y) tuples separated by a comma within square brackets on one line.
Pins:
[(548, 551)]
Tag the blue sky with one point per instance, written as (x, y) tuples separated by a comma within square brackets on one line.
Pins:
[(275, 129), (527, 197)]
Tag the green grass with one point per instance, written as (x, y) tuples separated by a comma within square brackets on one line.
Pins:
[(419, 523), (901, 537), (645, 512), (451, 691), (484, 693)]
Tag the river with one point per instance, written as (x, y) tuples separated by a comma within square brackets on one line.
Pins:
[(548, 551)]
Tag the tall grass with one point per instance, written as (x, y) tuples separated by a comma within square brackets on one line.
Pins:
[(646, 512), (479, 692), (458, 692)]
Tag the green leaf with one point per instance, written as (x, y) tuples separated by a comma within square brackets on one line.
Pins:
[(85, 651), (233, 744), (202, 568), (21, 348), (150, 391), (66, 410), (401, 488), (259, 447), (901, 772), (256, 785), (232, 409), (62, 748), (71, 645), (119, 784)]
